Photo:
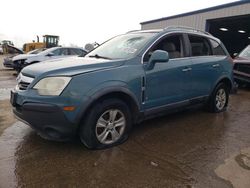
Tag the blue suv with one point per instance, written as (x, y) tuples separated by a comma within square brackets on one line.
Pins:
[(129, 78)]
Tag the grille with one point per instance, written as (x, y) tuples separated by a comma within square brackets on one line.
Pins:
[(23, 81), (23, 85), (245, 68), (20, 62)]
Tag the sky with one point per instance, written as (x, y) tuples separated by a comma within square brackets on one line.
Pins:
[(78, 22)]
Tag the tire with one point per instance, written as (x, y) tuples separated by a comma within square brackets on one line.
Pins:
[(218, 101), (107, 124)]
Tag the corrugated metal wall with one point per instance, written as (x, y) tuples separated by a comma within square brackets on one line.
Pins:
[(199, 20)]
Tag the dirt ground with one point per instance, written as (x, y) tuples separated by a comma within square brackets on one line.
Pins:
[(7, 82), (188, 149)]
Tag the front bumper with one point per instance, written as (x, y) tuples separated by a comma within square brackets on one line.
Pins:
[(17, 66), (47, 119), (8, 63)]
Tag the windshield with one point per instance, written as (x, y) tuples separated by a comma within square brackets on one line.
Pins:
[(48, 50), (245, 52), (122, 47), (36, 51)]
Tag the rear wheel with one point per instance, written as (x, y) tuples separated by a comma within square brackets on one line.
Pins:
[(107, 124), (219, 99)]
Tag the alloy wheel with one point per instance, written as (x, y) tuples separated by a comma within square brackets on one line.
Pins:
[(220, 99), (110, 126)]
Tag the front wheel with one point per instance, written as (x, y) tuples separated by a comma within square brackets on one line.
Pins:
[(107, 124), (219, 99)]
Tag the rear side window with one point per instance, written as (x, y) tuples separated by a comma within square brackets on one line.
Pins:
[(64, 51), (60, 51), (76, 51), (216, 47), (199, 46)]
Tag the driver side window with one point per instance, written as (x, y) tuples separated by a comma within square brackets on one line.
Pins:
[(171, 44), (56, 52), (60, 51)]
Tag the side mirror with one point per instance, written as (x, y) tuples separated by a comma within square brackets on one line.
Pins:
[(50, 54), (158, 56)]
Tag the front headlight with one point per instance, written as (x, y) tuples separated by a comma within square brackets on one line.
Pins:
[(52, 86), (26, 61)]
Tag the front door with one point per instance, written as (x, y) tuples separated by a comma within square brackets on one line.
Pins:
[(170, 82)]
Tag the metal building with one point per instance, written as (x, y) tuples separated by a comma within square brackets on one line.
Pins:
[(229, 22)]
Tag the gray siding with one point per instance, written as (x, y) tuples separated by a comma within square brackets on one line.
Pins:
[(198, 21)]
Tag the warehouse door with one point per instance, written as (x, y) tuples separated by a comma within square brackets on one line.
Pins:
[(234, 32)]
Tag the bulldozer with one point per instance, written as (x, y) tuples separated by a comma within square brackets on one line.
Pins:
[(49, 41), (7, 47)]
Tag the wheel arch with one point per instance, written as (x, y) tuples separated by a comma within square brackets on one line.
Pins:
[(225, 80), (121, 93), (212, 103)]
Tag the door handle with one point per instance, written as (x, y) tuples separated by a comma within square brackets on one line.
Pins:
[(215, 65), (186, 69)]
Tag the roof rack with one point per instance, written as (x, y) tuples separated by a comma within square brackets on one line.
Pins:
[(185, 27), (133, 31)]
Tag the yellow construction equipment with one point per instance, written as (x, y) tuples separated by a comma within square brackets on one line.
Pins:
[(48, 42)]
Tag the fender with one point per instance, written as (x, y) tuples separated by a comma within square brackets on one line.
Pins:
[(219, 80), (121, 88), (27, 64)]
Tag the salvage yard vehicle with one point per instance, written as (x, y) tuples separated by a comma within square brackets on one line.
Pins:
[(129, 78), (241, 67), (24, 60), (12, 51), (8, 61)]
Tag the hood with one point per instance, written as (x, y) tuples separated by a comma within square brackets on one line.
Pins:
[(70, 66), (10, 57), (23, 56)]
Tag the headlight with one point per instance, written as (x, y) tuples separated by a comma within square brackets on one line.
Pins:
[(26, 62), (52, 86)]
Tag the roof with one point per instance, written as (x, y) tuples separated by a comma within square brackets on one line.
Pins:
[(240, 2), (146, 31)]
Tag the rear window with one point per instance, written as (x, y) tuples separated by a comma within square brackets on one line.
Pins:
[(216, 47), (199, 46)]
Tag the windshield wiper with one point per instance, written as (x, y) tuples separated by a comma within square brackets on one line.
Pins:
[(98, 56)]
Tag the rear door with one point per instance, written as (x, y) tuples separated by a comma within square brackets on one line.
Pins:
[(206, 64)]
